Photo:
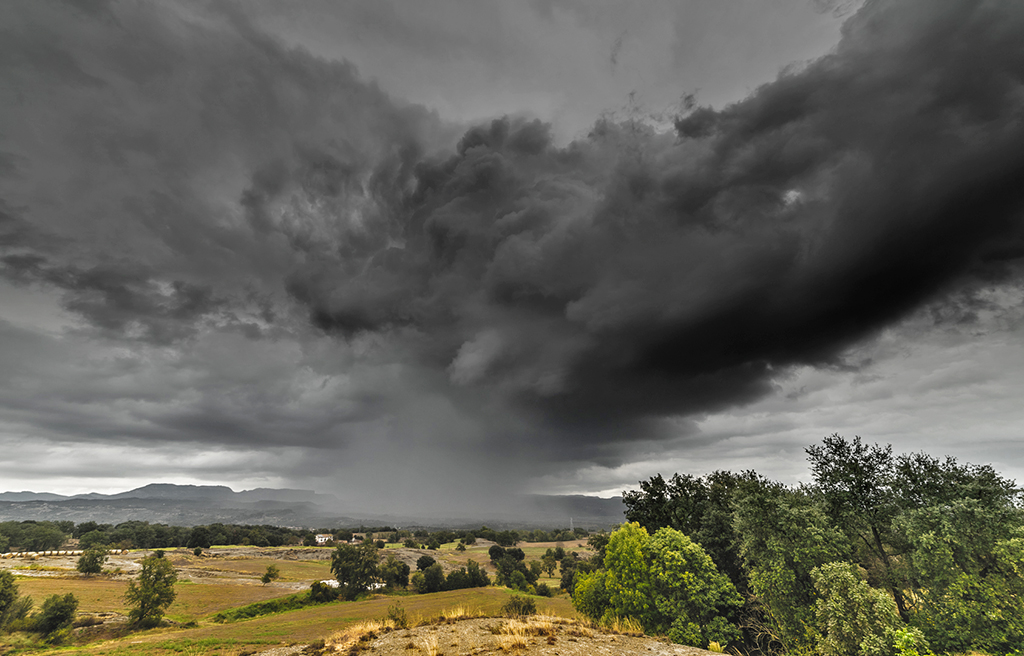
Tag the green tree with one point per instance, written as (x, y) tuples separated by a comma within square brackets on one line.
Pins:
[(355, 567), (423, 562), (57, 613), (666, 582), (394, 573), (91, 561), (152, 591), (272, 574), (549, 563), (784, 534), (854, 619), (857, 483), (12, 606), (429, 580)]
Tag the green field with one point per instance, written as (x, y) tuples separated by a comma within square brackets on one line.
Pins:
[(220, 583)]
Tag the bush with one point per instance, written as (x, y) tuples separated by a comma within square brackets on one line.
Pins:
[(57, 613), (321, 593), (519, 606), (397, 615), (423, 562), (198, 551), (91, 561)]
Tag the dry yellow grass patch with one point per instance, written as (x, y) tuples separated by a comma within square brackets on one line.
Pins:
[(359, 632)]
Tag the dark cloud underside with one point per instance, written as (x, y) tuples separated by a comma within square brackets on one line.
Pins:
[(174, 173)]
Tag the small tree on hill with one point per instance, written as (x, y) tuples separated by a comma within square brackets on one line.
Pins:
[(272, 574), (57, 613), (91, 561), (152, 592)]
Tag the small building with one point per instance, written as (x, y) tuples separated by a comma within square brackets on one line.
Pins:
[(324, 538)]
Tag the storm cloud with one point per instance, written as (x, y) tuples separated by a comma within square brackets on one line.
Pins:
[(258, 248)]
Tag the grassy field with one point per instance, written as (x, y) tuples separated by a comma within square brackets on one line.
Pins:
[(194, 600), (218, 581), (299, 626)]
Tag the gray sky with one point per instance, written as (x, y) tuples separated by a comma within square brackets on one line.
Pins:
[(411, 252)]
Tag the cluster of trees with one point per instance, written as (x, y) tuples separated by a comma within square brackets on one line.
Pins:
[(514, 572), (881, 554), (359, 568), (33, 536)]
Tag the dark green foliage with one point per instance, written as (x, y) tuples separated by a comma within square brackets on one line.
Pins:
[(57, 613), (198, 551), (495, 552), (31, 535), (278, 605), (321, 593), (91, 561), (411, 543), (429, 580), (700, 508), (152, 591), (516, 553), (272, 574), (882, 554), (12, 607), (355, 567), (519, 606), (394, 573), (423, 562)]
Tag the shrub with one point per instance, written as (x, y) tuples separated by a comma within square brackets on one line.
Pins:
[(396, 614), (272, 574), (321, 593), (57, 613), (91, 561), (198, 551), (423, 562), (519, 606)]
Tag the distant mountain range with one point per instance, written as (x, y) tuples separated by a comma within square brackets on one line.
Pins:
[(191, 505)]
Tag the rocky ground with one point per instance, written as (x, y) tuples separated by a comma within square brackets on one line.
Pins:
[(533, 636)]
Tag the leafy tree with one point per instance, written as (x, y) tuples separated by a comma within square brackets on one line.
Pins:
[(854, 619), (57, 613), (967, 565), (91, 561), (430, 579), (856, 481), (152, 591), (423, 562), (12, 606), (410, 543), (495, 552), (666, 582), (394, 573), (548, 564), (355, 567), (200, 537), (272, 574), (785, 534)]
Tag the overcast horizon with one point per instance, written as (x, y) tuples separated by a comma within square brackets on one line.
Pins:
[(433, 253)]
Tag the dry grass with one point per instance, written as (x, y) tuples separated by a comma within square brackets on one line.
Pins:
[(431, 646), (354, 634)]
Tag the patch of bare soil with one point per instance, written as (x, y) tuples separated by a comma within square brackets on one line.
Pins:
[(533, 636)]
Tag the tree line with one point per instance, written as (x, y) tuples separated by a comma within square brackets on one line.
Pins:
[(31, 535), (880, 555)]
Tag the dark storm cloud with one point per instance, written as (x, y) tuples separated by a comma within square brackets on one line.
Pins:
[(204, 188), (633, 275)]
